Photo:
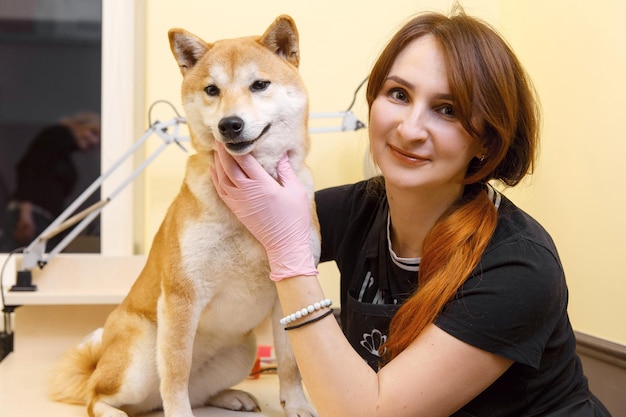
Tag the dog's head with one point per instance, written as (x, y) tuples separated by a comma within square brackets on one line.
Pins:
[(245, 92)]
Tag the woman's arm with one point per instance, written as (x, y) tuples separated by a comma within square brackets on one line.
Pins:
[(435, 376)]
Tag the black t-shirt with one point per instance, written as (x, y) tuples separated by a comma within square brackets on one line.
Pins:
[(513, 305)]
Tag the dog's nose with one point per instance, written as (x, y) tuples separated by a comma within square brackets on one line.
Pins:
[(231, 127)]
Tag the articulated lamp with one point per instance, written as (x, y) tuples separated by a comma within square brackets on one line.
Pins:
[(34, 255)]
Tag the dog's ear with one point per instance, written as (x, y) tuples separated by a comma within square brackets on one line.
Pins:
[(187, 48), (282, 39)]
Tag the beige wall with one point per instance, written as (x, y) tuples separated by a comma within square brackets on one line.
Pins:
[(576, 55), (575, 67)]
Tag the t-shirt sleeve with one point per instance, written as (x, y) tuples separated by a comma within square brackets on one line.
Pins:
[(511, 304)]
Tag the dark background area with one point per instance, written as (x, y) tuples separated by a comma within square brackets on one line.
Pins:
[(50, 67)]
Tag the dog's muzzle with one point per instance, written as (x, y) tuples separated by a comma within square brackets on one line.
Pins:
[(231, 128)]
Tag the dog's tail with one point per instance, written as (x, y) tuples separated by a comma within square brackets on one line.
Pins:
[(70, 378)]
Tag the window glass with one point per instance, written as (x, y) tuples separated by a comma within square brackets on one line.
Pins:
[(50, 95)]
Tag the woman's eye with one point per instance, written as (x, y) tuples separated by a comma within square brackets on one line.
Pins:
[(212, 90), (259, 85), (446, 110), (398, 94)]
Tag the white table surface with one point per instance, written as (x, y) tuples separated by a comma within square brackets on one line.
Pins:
[(23, 386)]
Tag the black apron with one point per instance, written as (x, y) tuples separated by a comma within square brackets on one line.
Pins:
[(367, 325), (367, 328)]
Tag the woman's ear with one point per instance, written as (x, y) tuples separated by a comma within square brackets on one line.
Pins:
[(481, 154)]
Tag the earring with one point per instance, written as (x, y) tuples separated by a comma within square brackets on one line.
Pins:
[(482, 157)]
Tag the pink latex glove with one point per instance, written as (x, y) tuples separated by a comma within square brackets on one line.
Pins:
[(277, 213)]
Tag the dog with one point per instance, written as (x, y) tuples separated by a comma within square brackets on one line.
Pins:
[(184, 333)]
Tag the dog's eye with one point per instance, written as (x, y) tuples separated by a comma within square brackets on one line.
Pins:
[(259, 85), (212, 90)]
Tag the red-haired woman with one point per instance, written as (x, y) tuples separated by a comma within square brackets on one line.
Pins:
[(455, 297)]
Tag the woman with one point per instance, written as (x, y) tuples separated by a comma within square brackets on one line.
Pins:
[(474, 285)]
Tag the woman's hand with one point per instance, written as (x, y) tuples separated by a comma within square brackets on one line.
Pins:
[(25, 228), (277, 213)]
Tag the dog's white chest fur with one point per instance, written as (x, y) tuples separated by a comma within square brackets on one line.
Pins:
[(229, 269)]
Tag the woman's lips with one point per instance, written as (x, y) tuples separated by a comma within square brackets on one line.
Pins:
[(407, 156)]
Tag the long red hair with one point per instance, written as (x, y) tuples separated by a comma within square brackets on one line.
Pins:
[(495, 102)]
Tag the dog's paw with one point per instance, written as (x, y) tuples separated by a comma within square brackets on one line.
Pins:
[(233, 399), (102, 409), (303, 409)]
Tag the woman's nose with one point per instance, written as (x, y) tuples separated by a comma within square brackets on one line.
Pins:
[(414, 124)]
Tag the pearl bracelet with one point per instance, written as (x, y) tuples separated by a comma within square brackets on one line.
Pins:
[(306, 311), (306, 323)]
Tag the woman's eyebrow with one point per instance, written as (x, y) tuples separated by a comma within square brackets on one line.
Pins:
[(401, 81), (411, 86)]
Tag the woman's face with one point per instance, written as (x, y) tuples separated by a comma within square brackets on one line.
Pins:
[(415, 138)]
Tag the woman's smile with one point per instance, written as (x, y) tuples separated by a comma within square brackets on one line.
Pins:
[(407, 157)]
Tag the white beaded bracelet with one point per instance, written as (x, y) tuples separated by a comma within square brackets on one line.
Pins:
[(306, 311)]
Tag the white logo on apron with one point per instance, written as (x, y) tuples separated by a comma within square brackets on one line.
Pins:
[(373, 342)]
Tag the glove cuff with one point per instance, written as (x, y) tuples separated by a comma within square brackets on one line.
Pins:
[(293, 267)]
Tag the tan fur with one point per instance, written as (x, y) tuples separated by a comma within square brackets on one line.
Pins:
[(184, 333)]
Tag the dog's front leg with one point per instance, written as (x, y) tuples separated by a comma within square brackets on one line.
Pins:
[(177, 320), (291, 392)]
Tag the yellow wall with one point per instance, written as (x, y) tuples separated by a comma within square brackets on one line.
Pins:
[(576, 55), (574, 195)]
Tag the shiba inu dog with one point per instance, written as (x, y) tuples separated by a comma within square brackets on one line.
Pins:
[(184, 333)]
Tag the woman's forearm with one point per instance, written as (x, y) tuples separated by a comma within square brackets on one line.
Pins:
[(338, 380)]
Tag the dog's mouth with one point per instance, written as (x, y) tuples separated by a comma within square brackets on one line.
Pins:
[(245, 146)]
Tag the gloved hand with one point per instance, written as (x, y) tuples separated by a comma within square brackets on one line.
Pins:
[(277, 213)]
